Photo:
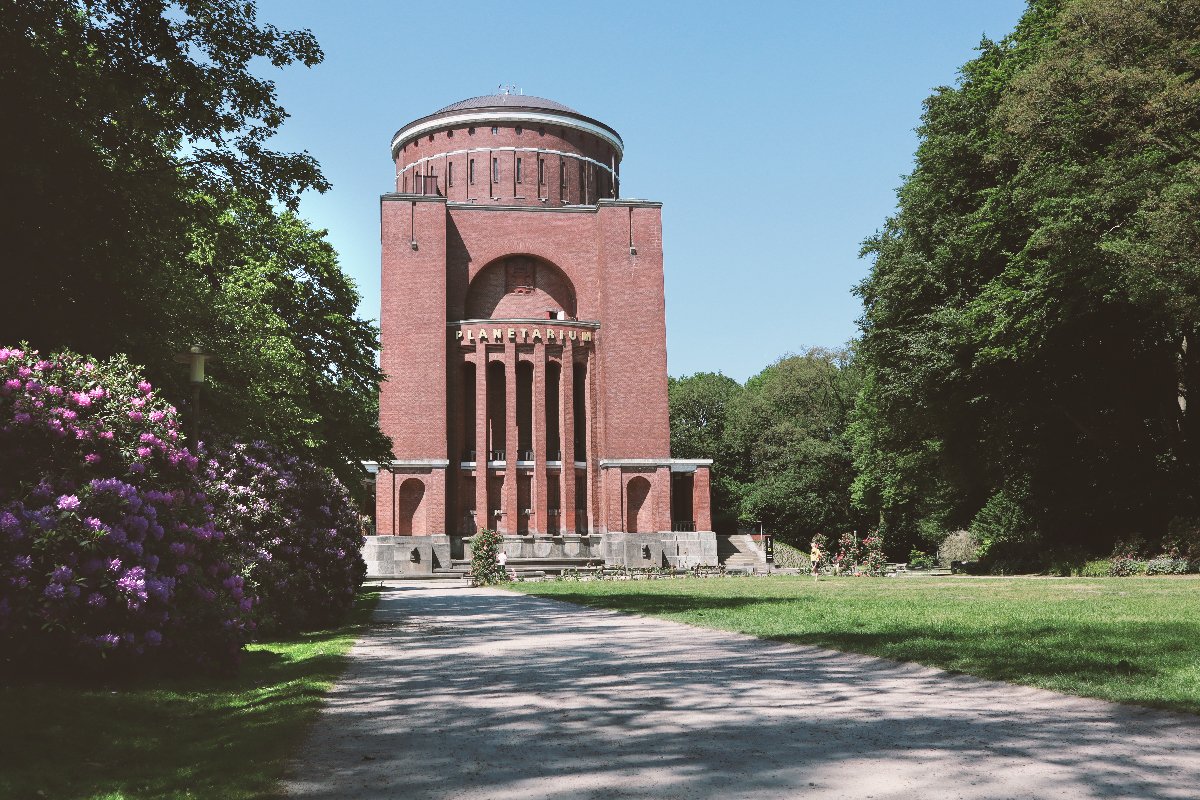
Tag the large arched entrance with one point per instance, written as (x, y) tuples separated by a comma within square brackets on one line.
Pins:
[(520, 287)]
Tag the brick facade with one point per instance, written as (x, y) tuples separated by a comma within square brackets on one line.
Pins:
[(523, 333)]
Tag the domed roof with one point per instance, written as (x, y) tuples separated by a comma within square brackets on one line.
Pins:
[(513, 100)]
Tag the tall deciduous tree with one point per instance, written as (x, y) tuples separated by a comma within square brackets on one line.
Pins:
[(1031, 310), (146, 215), (700, 407), (787, 432)]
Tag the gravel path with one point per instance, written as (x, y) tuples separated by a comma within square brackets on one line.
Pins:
[(488, 695)]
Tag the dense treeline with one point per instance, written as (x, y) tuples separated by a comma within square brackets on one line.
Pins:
[(150, 215), (779, 444), (1029, 353)]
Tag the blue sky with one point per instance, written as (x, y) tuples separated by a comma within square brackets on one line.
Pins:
[(775, 134)]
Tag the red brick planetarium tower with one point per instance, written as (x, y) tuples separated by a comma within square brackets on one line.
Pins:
[(524, 340)]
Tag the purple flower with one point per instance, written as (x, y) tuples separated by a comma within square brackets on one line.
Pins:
[(153, 638), (96, 600), (68, 502), (62, 574), (11, 385), (107, 641), (22, 562), (55, 591), (137, 468), (22, 418)]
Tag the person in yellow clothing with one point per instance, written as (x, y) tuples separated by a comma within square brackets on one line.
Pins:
[(815, 557)]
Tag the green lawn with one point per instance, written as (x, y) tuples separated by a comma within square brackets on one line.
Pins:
[(203, 738), (1134, 640)]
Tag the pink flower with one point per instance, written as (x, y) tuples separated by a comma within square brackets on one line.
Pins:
[(137, 402), (92, 458), (81, 399), (156, 416), (97, 393), (144, 387), (24, 372), (144, 452), (136, 416), (106, 435)]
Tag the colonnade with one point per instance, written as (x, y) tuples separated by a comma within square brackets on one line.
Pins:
[(525, 433)]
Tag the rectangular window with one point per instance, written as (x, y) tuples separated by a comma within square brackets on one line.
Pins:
[(518, 169), (541, 172), (495, 170), (471, 171), (562, 179), (449, 173), (494, 130)]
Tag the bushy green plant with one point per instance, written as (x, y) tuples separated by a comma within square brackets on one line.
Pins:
[(790, 557), (485, 562), (850, 552), (1125, 565), (1005, 529), (1168, 566), (919, 560), (1096, 568)]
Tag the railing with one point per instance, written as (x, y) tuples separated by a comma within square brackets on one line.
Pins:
[(553, 512), (683, 526), (554, 456), (496, 455), (525, 455)]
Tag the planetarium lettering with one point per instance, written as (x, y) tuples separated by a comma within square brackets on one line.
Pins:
[(472, 336)]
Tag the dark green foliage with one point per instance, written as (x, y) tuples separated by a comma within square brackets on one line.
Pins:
[(780, 452), (1031, 304), (145, 217), (700, 415), (788, 433)]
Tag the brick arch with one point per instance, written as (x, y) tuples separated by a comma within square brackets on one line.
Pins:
[(519, 286), (410, 511), (639, 511)]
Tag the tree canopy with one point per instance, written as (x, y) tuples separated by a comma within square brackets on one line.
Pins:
[(1030, 316), (154, 215)]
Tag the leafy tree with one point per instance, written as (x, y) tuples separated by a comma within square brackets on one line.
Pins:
[(787, 430), (699, 407), (127, 109), (149, 216), (294, 365), (1031, 304)]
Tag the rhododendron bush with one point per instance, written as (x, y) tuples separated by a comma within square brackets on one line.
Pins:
[(108, 545), (300, 531)]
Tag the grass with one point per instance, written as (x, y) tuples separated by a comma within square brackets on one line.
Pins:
[(1132, 640), (172, 738)]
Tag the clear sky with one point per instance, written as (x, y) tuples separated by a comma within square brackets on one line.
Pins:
[(775, 134)]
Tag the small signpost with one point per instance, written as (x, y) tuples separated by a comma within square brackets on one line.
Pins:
[(768, 546)]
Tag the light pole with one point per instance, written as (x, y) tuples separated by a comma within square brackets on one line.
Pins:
[(195, 358)]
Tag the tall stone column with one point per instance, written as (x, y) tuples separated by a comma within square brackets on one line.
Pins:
[(481, 440), (508, 500), (541, 479), (567, 437), (702, 499)]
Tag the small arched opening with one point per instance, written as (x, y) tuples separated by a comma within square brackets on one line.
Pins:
[(637, 505), (410, 508)]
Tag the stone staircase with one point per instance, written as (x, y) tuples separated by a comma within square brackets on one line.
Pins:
[(739, 551)]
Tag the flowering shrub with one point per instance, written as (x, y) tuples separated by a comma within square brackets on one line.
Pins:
[(485, 568), (297, 531), (849, 554), (958, 546), (874, 562), (107, 544)]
